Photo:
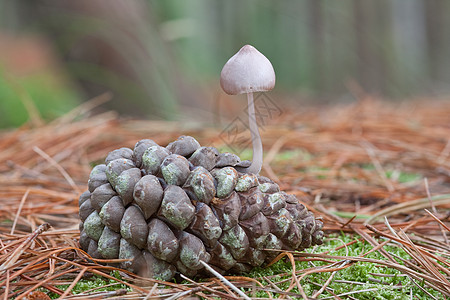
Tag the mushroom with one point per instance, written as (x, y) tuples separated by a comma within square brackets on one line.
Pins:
[(249, 71)]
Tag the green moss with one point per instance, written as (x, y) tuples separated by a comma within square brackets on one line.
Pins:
[(398, 175), (349, 215), (290, 155), (359, 276), (95, 282), (402, 177)]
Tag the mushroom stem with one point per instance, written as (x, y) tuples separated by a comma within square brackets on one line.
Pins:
[(257, 159)]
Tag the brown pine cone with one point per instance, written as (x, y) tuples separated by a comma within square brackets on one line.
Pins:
[(167, 208)]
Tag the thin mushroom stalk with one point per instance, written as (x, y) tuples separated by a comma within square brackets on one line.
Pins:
[(249, 71), (257, 159)]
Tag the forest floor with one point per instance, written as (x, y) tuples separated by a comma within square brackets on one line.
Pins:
[(376, 173)]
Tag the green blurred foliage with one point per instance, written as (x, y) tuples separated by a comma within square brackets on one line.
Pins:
[(48, 95)]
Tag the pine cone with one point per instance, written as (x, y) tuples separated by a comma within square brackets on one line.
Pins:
[(167, 208)]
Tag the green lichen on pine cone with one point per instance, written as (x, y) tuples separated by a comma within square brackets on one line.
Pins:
[(164, 209)]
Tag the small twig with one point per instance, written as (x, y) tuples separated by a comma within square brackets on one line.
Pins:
[(42, 282), (368, 238), (95, 289), (100, 273), (322, 270), (435, 212), (221, 284), (378, 167), (152, 290), (349, 221), (422, 258), (224, 280), (49, 287), (16, 218), (297, 281), (273, 285), (379, 281), (418, 255), (437, 220), (184, 293), (427, 189), (387, 275), (83, 108), (350, 282), (423, 290), (444, 154), (327, 283), (58, 167), (25, 244), (353, 292), (7, 285), (74, 282), (344, 245), (294, 278), (409, 206), (388, 225), (211, 290), (99, 295)]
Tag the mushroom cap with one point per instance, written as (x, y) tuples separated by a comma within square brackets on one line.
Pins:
[(247, 71)]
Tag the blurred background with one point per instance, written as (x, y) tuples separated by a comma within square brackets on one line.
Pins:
[(161, 59)]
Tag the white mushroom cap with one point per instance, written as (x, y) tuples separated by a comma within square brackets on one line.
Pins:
[(247, 71)]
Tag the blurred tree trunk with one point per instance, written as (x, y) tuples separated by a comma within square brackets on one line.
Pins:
[(437, 37), (316, 22), (371, 29), (364, 56), (408, 28)]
